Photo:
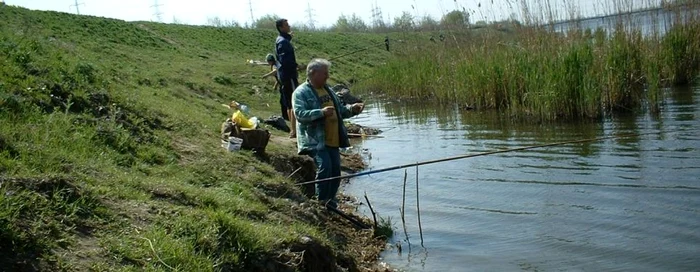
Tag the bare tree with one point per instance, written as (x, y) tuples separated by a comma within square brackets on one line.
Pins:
[(455, 18), (427, 23), (267, 21), (350, 24), (404, 22)]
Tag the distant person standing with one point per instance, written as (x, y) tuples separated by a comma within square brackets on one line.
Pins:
[(287, 72)]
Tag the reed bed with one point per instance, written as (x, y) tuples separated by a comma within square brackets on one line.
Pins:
[(534, 72)]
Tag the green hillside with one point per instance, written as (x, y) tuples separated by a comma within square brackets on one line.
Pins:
[(110, 157)]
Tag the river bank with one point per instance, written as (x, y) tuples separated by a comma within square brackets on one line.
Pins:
[(111, 160), (362, 246)]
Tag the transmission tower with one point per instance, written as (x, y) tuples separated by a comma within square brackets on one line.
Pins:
[(310, 16), (252, 18), (377, 17), (374, 17), (156, 10), (77, 6)]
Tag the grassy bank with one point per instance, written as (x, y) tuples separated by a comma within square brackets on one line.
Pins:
[(534, 73), (110, 157)]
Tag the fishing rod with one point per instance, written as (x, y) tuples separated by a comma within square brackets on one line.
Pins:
[(385, 43), (467, 156), (364, 135)]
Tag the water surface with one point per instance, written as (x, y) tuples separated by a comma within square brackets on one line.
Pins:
[(624, 204)]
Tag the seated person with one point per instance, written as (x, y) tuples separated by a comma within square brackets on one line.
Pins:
[(274, 66)]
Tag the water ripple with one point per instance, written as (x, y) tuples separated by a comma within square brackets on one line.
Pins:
[(625, 204), (489, 210), (577, 183)]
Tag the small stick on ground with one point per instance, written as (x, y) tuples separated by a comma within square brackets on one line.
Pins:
[(349, 218), (403, 207), (156, 254), (374, 215), (295, 171), (420, 228)]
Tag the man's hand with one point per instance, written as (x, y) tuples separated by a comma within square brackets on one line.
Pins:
[(328, 111), (357, 108)]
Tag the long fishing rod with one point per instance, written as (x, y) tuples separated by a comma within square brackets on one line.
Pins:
[(467, 156), (385, 43)]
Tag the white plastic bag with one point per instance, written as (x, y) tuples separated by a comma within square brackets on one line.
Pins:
[(255, 121), (234, 144)]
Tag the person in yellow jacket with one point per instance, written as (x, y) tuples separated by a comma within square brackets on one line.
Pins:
[(239, 117)]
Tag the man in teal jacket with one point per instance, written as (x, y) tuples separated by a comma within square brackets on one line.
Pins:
[(320, 128)]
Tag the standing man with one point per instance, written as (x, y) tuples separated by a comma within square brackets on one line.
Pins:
[(320, 127), (287, 71)]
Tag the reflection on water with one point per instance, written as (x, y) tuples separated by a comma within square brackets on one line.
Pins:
[(647, 22), (628, 203)]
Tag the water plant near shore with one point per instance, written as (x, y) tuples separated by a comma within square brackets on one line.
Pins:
[(535, 73)]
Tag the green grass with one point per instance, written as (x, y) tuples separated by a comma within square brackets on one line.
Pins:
[(530, 72), (109, 130), (109, 145), (385, 227)]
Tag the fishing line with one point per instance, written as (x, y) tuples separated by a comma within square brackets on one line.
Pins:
[(385, 43), (476, 155)]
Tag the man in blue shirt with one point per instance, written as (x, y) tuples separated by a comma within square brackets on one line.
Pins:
[(287, 71)]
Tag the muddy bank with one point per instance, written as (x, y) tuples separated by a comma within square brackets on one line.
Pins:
[(355, 249), (355, 130), (352, 249)]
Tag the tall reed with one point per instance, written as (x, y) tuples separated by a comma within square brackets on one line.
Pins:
[(532, 71)]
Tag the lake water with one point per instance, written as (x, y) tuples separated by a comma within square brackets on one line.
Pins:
[(648, 22), (624, 204)]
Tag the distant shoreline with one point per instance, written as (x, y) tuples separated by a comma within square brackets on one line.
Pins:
[(638, 11)]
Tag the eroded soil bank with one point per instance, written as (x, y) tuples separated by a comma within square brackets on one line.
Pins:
[(357, 249)]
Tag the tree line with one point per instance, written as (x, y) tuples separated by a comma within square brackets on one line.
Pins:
[(353, 23)]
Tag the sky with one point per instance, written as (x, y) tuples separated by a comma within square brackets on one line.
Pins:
[(325, 12)]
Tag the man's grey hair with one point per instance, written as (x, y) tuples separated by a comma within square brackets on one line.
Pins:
[(315, 65)]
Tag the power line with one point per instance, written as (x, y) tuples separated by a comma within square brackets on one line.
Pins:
[(310, 16), (156, 10), (77, 6)]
